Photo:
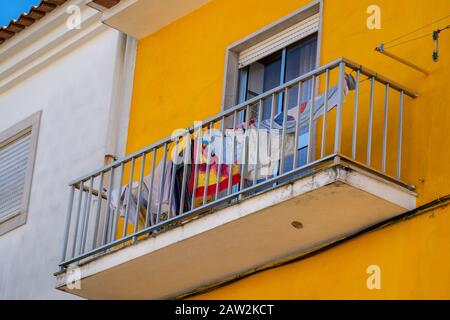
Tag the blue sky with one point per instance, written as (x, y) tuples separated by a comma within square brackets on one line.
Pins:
[(11, 9)]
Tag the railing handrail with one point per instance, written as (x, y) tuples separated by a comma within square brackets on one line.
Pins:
[(316, 72)]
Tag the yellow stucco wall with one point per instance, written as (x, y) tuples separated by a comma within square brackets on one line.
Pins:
[(179, 79), (414, 258)]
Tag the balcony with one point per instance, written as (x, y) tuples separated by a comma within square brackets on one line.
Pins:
[(139, 18), (275, 177)]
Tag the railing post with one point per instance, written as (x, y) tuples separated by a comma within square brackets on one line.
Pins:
[(108, 211), (161, 185), (369, 133), (129, 195), (99, 208), (86, 215), (148, 212), (310, 151), (283, 131), (400, 137), (116, 213), (197, 149), (297, 124), (325, 115), (258, 130), (244, 159), (77, 221), (67, 223), (233, 155), (355, 115), (141, 179), (208, 168), (338, 133), (221, 161), (385, 129)]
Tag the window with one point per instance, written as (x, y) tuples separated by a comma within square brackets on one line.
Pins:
[(17, 153), (275, 70), (271, 57)]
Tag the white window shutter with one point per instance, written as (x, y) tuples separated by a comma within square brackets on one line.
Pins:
[(14, 160), (286, 37)]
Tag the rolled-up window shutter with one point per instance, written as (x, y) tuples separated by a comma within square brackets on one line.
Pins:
[(14, 160), (286, 37)]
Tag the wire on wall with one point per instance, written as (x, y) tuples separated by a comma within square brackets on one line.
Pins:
[(413, 32), (395, 43)]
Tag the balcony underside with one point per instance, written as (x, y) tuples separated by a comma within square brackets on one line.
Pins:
[(331, 203), (139, 18)]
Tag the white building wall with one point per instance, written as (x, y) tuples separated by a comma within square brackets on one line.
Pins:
[(74, 93)]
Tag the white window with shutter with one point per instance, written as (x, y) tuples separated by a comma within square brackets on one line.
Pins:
[(280, 40), (17, 153), (300, 25)]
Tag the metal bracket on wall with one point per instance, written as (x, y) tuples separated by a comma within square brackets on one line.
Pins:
[(436, 40), (109, 158), (382, 50)]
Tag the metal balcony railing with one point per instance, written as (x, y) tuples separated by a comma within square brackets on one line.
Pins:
[(221, 160)]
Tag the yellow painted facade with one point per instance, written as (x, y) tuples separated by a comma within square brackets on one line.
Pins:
[(179, 79), (413, 256)]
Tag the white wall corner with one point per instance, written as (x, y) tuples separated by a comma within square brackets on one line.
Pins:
[(44, 42)]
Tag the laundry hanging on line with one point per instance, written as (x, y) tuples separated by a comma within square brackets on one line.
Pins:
[(304, 108), (257, 150)]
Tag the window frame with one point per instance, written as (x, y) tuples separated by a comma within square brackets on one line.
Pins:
[(231, 73), (30, 124), (230, 93)]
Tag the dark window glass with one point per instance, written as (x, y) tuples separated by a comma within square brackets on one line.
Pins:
[(275, 70)]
